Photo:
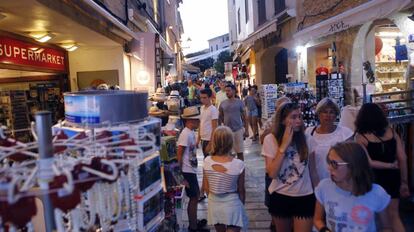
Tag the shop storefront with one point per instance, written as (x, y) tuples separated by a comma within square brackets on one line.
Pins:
[(33, 77), (367, 50)]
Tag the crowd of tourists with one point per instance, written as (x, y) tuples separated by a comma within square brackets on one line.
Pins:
[(324, 178)]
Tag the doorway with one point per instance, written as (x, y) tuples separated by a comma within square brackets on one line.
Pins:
[(281, 66)]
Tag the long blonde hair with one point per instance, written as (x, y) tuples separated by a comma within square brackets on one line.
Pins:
[(222, 141), (299, 139)]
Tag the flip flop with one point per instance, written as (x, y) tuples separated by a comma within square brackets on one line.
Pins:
[(202, 198)]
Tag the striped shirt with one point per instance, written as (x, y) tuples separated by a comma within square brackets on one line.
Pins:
[(223, 182)]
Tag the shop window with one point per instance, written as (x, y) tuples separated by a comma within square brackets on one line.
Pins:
[(279, 6), (262, 11), (391, 59)]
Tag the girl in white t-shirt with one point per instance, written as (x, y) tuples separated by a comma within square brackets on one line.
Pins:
[(349, 200), (223, 179), (291, 202), (323, 136)]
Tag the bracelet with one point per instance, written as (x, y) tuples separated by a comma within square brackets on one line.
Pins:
[(324, 229)]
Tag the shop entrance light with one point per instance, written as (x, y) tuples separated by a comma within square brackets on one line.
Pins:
[(300, 49), (70, 46), (42, 37), (389, 34)]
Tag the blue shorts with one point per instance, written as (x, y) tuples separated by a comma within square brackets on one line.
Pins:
[(253, 113)]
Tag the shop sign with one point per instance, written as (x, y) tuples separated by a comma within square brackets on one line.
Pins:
[(338, 26), (17, 52)]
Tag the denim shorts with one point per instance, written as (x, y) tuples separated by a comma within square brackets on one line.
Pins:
[(253, 113)]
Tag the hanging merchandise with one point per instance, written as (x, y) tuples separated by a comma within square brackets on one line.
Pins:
[(99, 176), (321, 86), (268, 95), (336, 88), (401, 53), (298, 93)]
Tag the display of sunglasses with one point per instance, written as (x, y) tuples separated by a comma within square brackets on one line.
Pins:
[(335, 164)]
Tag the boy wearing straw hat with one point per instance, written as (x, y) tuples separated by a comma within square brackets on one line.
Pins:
[(187, 158)]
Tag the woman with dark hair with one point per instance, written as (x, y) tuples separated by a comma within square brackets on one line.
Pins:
[(386, 156), (291, 202), (349, 200)]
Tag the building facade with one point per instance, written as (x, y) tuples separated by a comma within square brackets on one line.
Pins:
[(219, 42), (121, 42)]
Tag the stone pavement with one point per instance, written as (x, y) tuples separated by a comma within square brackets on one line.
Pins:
[(259, 218)]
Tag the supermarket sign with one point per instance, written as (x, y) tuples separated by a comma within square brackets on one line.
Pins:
[(20, 53)]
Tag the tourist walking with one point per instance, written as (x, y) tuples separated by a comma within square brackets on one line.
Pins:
[(250, 102), (386, 156), (192, 93), (348, 201), (187, 158), (221, 94), (223, 176), (208, 123), (323, 136), (232, 114), (292, 201)]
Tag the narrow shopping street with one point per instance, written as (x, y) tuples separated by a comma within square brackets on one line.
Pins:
[(259, 218)]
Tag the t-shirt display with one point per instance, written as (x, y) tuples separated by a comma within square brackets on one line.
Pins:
[(346, 212), (293, 178), (207, 115), (187, 139)]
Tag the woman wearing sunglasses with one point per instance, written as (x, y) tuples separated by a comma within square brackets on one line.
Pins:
[(348, 200), (292, 201), (386, 157)]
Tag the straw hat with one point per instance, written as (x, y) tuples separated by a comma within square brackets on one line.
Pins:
[(191, 113), (174, 93)]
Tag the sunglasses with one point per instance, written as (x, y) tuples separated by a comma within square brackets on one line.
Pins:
[(335, 164)]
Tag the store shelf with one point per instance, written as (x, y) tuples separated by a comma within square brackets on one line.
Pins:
[(390, 62), (390, 72), (393, 83)]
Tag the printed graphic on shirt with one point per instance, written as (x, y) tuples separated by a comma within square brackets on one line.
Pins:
[(358, 220), (294, 168), (193, 155)]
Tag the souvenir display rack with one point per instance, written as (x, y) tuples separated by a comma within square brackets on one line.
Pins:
[(336, 89), (298, 93), (268, 94), (102, 177)]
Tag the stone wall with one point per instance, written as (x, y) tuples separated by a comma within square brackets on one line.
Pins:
[(315, 7)]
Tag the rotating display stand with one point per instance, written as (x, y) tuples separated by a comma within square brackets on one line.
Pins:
[(106, 176)]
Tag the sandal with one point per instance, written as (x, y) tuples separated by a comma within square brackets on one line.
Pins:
[(202, 198)]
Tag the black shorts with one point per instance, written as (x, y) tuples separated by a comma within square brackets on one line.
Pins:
[(283, 206), (204, 144), (268, 180), (193, 190)]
